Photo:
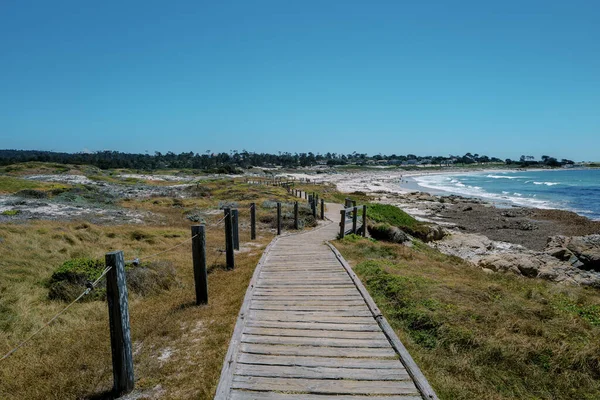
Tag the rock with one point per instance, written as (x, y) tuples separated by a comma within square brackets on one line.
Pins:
[(580, 251), (469, 208), (387, 233), (587, 250), (435, 232)]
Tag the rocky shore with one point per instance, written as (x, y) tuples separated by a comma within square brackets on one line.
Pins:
[(556, 245)]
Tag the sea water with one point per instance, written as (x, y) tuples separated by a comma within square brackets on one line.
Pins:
[(576, 190)]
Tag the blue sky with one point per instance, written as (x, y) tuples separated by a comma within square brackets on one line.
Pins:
[(424, 77)]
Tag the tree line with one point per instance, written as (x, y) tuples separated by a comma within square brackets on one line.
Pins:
[(234, 160)]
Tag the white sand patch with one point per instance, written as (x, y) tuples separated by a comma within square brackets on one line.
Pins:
[(70, 179), (160, 178), (165, 355)]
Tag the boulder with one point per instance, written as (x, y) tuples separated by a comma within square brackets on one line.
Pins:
[(580, 251), (434, 232)]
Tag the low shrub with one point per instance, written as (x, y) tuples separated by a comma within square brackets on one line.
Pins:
[(73, 276), (10, 213)]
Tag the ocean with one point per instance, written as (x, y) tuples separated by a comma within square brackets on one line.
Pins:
[(575, 190)]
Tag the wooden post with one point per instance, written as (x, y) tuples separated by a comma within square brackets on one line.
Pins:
[(252, 221), (229, 256), (236, 230), (342, 223), (313, 205), (305, 195), (279, 218), (199, 260), (354, 219), (118, 316), (322, 209), (296, 222), (364, 232)]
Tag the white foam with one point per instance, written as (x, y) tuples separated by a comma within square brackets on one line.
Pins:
[(501, 177), (438, 182), (545, 183)]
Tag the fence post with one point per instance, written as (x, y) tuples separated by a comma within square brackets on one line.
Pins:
[(279, 218), (236, 230), (322, 209), (252, 221), (199, 260), (229, 256), (343, 223), (120, 331), (313, 205), (305, 195), (296, 223), (364, 232), (354, 219)]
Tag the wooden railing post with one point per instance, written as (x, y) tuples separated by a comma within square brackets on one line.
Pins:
[(199, 260), (229, 256), (120, 331), (296, 222), (252, 221), (364, 232), (354, 219), (279, 218), (342, 223), (236, 230), (313, 205), (322, 209)]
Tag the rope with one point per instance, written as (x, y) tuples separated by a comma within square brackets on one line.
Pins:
[(90, 287)]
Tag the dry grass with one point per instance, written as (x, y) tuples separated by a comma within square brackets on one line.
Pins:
[(481, 336), (178, 347)]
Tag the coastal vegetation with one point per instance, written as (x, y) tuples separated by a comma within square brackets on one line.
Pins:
[(178, 347), (483, 336)]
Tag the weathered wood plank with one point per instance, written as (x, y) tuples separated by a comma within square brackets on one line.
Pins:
[(313, 333), (313, 341), (307, 307), (257, 301), (325, 386), (349, 317), (290, 350), (316, 325), (302, 296), (252, 395), (341, 362), (359, 374)]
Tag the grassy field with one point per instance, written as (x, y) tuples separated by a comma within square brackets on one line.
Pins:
[(482, 336), (178, 347)]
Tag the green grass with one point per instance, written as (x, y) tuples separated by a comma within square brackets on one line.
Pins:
[(391, 215), (484, 336), (9, 184), (10, 213)]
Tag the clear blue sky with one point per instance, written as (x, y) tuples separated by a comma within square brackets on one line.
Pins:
[(501, 78)]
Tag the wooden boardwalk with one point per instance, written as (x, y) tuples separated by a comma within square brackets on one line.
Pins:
[(309, 330)]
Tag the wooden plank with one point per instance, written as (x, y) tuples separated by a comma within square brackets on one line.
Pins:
[(316, 325), (341, 362), (290, 350), (349, 317), (308, 307), (312, 341), (308, 301), (284, 298), (359, 374), (252, 395), (325, 386), (313, 333)]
